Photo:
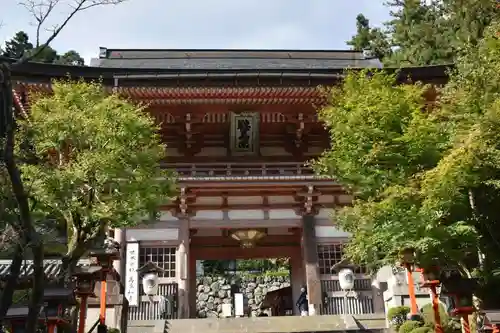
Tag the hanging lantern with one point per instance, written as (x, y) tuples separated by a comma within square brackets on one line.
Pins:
[(248, 237)]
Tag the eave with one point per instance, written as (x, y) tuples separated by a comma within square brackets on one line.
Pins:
[(203, 95), (42, 72)]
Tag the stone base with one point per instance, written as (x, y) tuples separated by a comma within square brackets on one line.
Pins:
[(286, 324)]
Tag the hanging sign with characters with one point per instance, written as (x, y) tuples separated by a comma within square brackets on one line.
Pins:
[(131, 275)]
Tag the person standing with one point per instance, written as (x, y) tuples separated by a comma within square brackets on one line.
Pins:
[(303, 302)]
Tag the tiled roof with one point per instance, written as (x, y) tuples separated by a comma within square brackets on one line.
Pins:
[(233, 59), (52, 268)]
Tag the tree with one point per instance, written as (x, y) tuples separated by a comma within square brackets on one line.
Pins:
[(24, 222), (100, 163), (424, 177), (429, 32), (371, 40), (20, 46), (381, 140), (70, 58)]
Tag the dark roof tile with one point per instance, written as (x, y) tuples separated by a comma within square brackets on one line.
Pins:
[(233, 59), (52, 268)]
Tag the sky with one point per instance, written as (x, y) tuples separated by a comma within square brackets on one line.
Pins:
[(200, 24)]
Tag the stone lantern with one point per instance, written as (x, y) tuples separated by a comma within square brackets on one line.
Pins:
[(109, 252), (431, 281), (56, 300), (461, 290), (85, 279)]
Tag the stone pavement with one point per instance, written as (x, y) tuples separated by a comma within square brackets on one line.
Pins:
[(286, 324)]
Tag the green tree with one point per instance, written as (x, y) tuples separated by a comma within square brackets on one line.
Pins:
[(371, 40), (18, 46), (466, 179), (428, 32), (23, 223), (70, 58), (381, 141), (423, 177), (98, 163)]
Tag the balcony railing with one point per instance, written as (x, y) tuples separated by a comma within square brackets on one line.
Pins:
[(278, 169)]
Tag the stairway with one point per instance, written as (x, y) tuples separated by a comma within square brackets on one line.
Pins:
[(287, 324)]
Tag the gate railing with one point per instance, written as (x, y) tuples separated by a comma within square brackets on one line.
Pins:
[(158, 308), (334, 302)]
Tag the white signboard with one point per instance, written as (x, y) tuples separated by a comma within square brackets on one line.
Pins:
[(131, 275), (238, 305)]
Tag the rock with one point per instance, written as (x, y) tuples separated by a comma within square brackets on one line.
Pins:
[(215, 286), (214, 291)]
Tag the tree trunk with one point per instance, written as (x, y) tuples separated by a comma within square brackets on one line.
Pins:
[(11, 283), (25, 222), (36, 298)]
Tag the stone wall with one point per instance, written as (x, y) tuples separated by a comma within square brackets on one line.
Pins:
[(213, 291)]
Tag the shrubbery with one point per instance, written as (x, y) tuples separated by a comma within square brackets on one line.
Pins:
[(409, 326), (397, 316)]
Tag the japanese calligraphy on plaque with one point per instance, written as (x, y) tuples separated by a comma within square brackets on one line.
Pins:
[(131, 275), (244, 133)]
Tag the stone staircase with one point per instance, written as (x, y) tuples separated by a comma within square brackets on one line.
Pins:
[(287, 324)]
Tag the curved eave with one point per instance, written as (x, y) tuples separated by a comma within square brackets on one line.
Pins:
[(33, 71)]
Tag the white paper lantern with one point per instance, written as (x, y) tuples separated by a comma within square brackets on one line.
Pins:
[(346, 279), (150, 284)]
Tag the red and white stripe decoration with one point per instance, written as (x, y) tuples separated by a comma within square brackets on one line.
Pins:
[(212, 95), (18, 103)]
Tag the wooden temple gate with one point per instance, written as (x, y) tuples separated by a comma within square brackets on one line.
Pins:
[(239, 143)]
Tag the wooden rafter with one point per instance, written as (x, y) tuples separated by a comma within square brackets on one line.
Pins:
[(208, 95)]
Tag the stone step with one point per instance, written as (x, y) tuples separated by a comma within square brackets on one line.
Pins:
[(285, 324)]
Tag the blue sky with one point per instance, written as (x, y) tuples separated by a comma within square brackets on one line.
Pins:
[(251, 24)]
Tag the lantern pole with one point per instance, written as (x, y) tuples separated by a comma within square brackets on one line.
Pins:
[(105, 257), (83, 314), (85, 283), (407, 257), (431, 281)]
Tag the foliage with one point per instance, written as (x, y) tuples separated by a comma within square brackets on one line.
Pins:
[(381, 141), (371, 40), (20, 46), (428, 315), (259, 266), (409, 325), (397, 316), (423, 329), (423, 177), (425, 32), (97, 162), (427, 179)]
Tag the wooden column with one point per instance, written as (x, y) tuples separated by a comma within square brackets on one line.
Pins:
[(310, 255), (182, 269), (118, 265), (297, 276)]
